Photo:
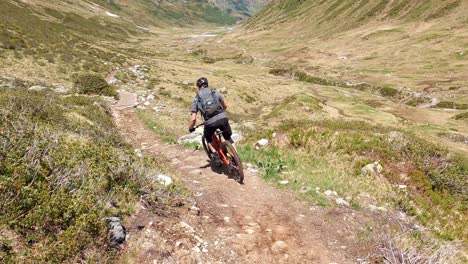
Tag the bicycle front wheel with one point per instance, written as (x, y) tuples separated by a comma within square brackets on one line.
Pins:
[(207, 148), (235, 164)]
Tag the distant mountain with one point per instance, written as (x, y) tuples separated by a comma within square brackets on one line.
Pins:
[(331, 16), (241, 8)]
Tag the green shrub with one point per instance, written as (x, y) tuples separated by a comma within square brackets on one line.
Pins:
[(58, 173), (451, 105), (462, 116), (389, 91), (93, 84)]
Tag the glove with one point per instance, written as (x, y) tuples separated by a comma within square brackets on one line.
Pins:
[(191, 129)]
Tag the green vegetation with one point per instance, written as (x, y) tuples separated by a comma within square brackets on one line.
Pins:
[(93, 84), (329, 154), (389, 91), (451, 105), (462, 116), (63, 163), (418, 101)]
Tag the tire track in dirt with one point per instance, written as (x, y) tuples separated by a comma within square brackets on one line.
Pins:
[(260, 223)]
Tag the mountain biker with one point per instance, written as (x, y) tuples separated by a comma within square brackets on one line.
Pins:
[(212, 107)]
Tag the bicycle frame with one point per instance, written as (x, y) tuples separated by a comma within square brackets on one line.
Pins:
[(217, 146)]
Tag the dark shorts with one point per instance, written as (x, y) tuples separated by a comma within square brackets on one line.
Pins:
[(223, 125)]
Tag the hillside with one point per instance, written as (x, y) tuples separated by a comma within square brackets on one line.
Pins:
[(363, 105), (241, 8)]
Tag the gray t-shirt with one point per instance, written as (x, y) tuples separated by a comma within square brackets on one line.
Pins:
[(215, 118)]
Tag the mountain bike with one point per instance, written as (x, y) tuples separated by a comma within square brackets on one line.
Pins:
[(227, 154)]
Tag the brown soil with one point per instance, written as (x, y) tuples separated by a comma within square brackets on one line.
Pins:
[(240, 223)]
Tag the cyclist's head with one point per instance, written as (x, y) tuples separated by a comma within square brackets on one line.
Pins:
[(202, 82)]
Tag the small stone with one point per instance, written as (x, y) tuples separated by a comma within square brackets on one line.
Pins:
[(261, 143), (342, 202), (249, 231), (146, 103), (328, 192), (227, 219), (402, 186), (279, 247), (305, 189), (195, 210), (178, 244), (204, 250), (164, 180), (372, 169), (138, 153), (196, 249), (284, 182)]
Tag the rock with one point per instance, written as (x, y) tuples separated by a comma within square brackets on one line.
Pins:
[(261, 143), (116, 230), (249, 231), (274, 134), (397, 139), (341, 202), (195, 210), (402, 186), (372, 169), (164, 180), (150, 97), (236, 137), (283, 182), (279, 247), (227, 219), (185, 82), (37, 88), (146, 103), (61, 89), (305, 189), (328, 192), (377, 208), (138, 153)]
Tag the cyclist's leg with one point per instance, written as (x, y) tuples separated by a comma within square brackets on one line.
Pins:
[(227, 132), (208, 133)]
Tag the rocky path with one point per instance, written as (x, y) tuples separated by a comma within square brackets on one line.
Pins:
[(250, 223)]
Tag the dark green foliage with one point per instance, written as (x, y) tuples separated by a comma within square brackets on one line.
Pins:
[(93, 84), (462, 116), (389, 91), (418, 101), (451, 105), (62, 162)]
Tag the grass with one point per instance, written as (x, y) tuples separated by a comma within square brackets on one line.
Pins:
[(63, 163), (451, 105), (329, 154)]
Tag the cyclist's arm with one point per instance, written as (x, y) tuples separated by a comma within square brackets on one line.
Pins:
[(193, 116), (221, 100), (193, 120)]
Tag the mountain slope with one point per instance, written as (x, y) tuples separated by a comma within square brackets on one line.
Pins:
[(323, 17), (241, 8)]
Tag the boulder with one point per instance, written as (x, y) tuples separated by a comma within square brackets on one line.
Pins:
[(37, 88), (342, 202), (279, 247), (261, 143), (164, 180), (116, 230), (372, 169)]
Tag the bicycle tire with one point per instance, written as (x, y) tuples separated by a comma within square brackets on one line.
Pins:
[(207, 149), (235, 163)]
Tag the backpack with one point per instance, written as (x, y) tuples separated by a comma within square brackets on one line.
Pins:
[(207, 103)]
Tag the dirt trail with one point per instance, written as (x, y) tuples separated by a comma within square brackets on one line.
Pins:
[(255, 222)]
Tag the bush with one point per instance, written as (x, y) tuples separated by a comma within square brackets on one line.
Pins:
[(462, 116), (389, 91), (62, 162), (451, 105), (93, 84)]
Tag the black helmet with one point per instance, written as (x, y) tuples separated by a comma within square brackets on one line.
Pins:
[(202, 82)]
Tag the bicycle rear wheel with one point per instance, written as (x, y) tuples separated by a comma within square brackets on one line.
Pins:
[(207, 149), (235, 164)]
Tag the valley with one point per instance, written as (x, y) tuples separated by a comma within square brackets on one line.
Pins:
[(334, 86)]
